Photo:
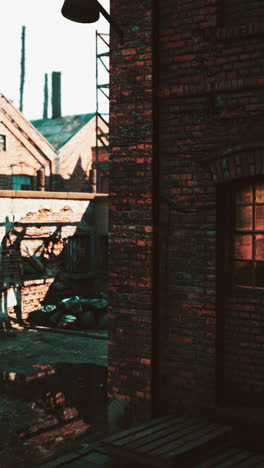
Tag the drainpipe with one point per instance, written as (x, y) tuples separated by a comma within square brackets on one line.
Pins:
[(155, 208)]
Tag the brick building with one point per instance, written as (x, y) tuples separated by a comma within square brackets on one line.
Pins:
[(74, 139), (27, 159), (53, 242), (186, 205)]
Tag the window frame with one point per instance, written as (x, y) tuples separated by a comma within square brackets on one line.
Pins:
[(71, 266), (2, 142), (253, 232), (14, 183)]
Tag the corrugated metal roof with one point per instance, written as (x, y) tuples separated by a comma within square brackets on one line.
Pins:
[(59, 131)]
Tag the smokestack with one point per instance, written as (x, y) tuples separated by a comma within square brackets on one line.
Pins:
[(46, 97), (41, 180), (22, 68), (56, 95)]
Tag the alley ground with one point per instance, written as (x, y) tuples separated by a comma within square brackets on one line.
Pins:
[(52, 394)]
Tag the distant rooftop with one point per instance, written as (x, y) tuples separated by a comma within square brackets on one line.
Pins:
[(59, 131)]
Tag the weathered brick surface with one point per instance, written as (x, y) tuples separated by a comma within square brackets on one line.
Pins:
[(40, 229), (25, 151), (211, 76), (15, 160), (130, 256)]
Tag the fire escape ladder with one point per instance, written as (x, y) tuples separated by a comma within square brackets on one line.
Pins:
[(102, 106)]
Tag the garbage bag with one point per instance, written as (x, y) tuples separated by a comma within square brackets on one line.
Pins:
[(87, 320), (71, 306), (94, 304), (48, 308), (55, 318), (38, 317)]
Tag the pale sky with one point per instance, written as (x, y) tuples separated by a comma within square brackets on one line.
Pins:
[(53, 43)]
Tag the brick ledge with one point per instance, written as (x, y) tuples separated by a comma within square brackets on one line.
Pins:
[(55, 195)]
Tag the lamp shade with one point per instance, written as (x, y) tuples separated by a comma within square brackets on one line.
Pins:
[(81, 11)]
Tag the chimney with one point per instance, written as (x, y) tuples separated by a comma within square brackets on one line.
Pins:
[(22, 68), (41, 180), (56, 95), (46, 97)]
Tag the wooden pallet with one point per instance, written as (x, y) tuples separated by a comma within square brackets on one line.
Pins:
[(169, 441), (231, 457)]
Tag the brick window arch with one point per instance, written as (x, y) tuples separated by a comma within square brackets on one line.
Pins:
[(236, 162)]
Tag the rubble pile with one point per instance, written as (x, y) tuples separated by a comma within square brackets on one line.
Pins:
[(74, 312)]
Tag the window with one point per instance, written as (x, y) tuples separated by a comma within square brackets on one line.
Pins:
[(78, 254), (248, 235), (2, 143), (21, 182)]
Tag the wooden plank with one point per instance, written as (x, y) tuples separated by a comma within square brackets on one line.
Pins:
[(154, 432), (253, 461), (235, 460), (177, 430), (136, 429), (216, 456), (174, 438), (204, 435), (260, 465), (140, 458)]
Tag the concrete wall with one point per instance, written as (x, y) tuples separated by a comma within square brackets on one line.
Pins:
[(40, 259)]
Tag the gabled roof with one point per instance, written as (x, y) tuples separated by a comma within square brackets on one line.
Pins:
[(60, 130), (24, 131)]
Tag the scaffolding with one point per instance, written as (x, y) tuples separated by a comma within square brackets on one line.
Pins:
[(100, 168)]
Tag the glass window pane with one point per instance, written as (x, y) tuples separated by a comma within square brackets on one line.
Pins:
[(260, 247), (2, 142), (259, 217), (245, 195), (21, 182), (244, 217), (260, 274), (243, 246), (260, 192), (243, 273)]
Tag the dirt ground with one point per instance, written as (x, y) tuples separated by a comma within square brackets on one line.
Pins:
[(34, 346), (52, 393)]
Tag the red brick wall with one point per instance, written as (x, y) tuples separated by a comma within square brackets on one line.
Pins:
[(211, 75), (210, 105), (130, 256)]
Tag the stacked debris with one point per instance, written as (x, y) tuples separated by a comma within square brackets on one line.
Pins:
[(73, 312)]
